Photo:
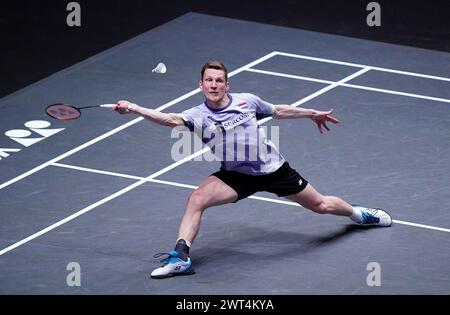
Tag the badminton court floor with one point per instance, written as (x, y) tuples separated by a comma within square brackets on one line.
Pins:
[(86, 204)]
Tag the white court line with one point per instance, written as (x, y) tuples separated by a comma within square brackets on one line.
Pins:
[(170, 183), (323, 90), (290, 76), (126, 125), (362, 87), (422, 226), (368, 88), (414, 74), (164, 170), (91, 170), (100, 202)]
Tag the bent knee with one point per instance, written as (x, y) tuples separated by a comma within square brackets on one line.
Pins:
[(198, 200)]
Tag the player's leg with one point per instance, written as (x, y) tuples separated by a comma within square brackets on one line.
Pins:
[(211, 192), (313, 200)]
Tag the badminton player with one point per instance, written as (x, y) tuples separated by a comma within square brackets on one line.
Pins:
[(260, 169)]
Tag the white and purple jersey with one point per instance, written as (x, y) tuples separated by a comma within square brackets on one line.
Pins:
[(234, 135)]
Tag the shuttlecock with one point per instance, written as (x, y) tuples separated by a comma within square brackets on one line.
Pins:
[(160, 68)]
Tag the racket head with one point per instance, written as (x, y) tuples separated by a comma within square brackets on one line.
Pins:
[(62, 111)]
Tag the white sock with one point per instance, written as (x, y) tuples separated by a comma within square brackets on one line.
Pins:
[(357, 214)]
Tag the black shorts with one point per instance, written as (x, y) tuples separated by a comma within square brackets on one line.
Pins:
[(283, 182)]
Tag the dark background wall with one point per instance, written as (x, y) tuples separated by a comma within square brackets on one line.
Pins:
[(36, 41)]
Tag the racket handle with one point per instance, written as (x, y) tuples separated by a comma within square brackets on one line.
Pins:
[(108, 105)]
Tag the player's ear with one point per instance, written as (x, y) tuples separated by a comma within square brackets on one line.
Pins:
[(228, 86), (200, 84)]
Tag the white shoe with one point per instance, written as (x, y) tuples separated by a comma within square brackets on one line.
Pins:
[(375, 216), (172, 266)]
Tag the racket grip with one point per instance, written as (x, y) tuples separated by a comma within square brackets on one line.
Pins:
[(108, 105)]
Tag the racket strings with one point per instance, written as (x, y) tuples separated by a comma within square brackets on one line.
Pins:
[(63, 111)]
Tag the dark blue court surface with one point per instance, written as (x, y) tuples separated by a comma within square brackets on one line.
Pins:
[(103, 193)]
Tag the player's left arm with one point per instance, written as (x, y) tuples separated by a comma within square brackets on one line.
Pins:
[(292, 112)]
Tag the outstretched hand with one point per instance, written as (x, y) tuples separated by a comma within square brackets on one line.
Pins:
[(124, 107), (321, 117)]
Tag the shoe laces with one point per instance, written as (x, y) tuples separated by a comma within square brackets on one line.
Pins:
[(369, 216), (172, 257)]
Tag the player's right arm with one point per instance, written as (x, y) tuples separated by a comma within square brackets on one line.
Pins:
[(163, 119)]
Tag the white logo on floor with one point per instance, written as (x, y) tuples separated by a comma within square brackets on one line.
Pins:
[(25, 136)]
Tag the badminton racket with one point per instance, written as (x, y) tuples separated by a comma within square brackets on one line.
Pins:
[(63, 111)]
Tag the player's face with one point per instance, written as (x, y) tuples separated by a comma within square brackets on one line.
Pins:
[(215, 86)]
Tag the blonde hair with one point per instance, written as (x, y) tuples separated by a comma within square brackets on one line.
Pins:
[(214, 64)]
